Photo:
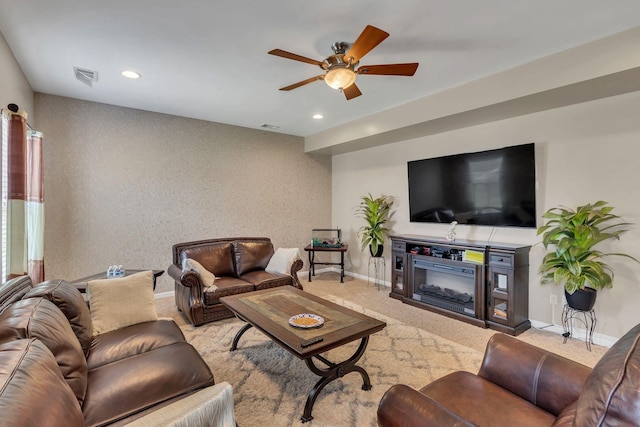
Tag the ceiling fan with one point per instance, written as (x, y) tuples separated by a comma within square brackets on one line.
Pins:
[(340, 68)]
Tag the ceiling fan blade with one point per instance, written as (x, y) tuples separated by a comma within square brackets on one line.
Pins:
[(302, 83), (351, 92), (289, 55), (389, 69), (367, 40)]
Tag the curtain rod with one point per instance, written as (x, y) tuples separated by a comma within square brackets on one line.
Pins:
[(15, 109)]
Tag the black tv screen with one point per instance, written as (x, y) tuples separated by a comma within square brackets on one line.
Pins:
[(495, 188)]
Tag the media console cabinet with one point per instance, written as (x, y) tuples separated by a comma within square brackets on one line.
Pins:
[(483, 284)]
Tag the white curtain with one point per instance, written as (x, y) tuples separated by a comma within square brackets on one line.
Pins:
[(22, 215)]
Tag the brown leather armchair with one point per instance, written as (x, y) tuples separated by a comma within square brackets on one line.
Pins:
[(522, 385)]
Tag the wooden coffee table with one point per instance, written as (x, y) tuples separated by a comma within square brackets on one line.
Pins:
[(269, 310)]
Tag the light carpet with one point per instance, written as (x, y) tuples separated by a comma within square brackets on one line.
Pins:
[(270, 385)]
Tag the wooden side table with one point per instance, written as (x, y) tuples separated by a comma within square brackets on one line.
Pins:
[(311, 250), (81, 284)]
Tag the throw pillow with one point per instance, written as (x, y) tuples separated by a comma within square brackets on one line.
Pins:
[(117, 303), (282, 260), (208, 278)]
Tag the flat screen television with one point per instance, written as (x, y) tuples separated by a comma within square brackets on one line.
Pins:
[(494, 188)]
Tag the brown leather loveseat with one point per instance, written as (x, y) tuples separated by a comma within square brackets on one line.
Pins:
[(239, 265), (522, 385), (54, 372)]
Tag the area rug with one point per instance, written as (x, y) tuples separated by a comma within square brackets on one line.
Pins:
[(270, 385)]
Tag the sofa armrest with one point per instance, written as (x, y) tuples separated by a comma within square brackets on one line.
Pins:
[(402, 406), (545, 379), (295, 267), (190, 279)]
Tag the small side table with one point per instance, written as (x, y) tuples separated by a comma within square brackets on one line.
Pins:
[(587, 318), (81, 284), (312, 255)]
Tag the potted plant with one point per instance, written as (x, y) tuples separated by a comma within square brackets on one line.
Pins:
[(375, 212), (573, 260)]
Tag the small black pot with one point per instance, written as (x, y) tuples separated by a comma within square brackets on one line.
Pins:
[(582, 299), (378, 254)]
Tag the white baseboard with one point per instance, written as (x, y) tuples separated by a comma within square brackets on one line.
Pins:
[(305, 274), (598, 339), (164, 294)]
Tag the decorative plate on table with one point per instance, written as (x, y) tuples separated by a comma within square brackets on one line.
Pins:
[(306, 321)]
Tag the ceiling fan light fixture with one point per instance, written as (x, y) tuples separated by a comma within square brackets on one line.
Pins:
[(340, 77)]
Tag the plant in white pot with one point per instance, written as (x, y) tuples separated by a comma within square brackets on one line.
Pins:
[(573, 260), (376, 212)]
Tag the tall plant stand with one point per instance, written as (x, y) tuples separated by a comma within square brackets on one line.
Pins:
[(587, 318), (378, 265)]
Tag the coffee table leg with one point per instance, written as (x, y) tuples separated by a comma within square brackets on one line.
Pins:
[(333, 372), (242, 330)]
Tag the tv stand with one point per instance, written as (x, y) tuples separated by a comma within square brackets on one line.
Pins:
[(483, 284)]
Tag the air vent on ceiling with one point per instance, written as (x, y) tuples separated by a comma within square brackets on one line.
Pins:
[(268, 126), (86, 76)]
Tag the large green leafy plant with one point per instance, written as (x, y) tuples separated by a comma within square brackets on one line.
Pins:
[(375, 212), (572, 234)]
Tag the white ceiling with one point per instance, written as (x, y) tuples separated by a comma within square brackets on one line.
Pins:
[(207, 59)]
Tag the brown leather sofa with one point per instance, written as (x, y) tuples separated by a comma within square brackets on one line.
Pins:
[(239, 266), (53, 372), (521, 385)]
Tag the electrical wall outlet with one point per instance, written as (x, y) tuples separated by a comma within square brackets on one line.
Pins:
[(553, 299)]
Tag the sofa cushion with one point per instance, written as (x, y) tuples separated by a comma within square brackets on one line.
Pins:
[(282, 260), (41, 319), (252, 256), (263, 279), (131, 340), (117, 303), (215, 257), (70, 301), (120, 389), (226, 286), (32, 389), (610, 395), (481, 398), (208, 278)]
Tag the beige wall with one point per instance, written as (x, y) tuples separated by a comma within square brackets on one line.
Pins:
[(123, 185), (14, 87), (584, 153)]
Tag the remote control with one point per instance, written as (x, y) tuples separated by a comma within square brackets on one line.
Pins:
[(310, 341)]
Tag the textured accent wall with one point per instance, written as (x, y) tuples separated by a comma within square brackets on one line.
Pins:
[(123, 185)]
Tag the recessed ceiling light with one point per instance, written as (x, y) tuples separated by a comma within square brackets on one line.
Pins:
[(130, 74), (318, 116)]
